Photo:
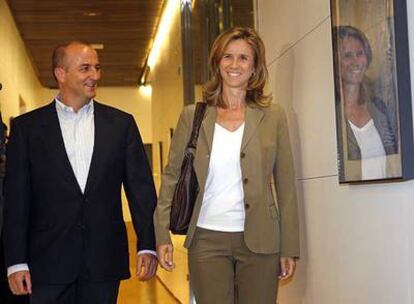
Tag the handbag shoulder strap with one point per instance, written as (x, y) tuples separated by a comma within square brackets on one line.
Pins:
[(199, 111)]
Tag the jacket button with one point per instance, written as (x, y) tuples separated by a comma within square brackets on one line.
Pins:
[(245, 180), (246, 206), (242, 155), (86, 200), (81, 226)]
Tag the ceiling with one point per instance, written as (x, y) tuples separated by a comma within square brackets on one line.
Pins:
[(124, 27)]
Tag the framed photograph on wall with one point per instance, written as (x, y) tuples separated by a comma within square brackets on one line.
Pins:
[(372, 90)]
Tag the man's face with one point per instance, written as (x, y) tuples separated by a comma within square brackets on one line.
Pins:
[(81, 71)]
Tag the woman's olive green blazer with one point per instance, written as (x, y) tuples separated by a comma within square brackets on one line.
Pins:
[(271, 225)]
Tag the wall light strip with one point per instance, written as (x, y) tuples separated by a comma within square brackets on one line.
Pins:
[(171, 8), (146, 90)]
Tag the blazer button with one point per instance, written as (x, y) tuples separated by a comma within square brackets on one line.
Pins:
[(86, 201), (242, 155), (246, 206), (245, 180)]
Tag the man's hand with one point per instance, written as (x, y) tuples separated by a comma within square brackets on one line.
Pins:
[(287, 267), (146, 266), (165, 256), (20, 283)]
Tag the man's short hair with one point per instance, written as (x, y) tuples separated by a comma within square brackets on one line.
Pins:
[(59, 54)]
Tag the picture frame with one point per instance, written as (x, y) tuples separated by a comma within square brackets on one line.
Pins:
[(372, 91)]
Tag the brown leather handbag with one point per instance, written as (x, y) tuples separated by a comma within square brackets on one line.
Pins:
[(186, 190)]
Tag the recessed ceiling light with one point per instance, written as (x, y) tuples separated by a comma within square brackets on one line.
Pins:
[(97, 46), (91, 14)]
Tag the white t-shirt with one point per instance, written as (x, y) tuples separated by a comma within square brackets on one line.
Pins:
[(373, 157), (223, 202)]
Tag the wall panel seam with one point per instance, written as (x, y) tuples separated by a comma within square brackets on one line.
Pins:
[(299, 40)]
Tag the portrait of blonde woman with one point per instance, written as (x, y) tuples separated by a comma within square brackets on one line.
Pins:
[(367, 127)]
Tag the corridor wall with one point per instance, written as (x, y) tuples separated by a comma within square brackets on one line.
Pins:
[(357, 241), (167, 92), (17, 74)]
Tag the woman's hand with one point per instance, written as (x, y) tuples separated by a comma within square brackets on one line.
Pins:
[(287, 267), (165, 256)]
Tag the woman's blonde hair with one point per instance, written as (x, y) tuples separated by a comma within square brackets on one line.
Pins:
[(212, 89)]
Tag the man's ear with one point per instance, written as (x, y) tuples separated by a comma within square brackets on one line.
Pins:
[(60, 74)]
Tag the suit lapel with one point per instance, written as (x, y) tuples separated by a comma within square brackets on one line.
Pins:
[(56, 146), (252, 119), (102, 122)]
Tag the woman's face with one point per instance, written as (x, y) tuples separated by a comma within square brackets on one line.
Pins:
[(237, 64), (354, 61)]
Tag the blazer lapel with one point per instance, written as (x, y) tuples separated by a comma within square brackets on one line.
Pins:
[(102, 122), (56, 146), (207, 126), (252, 119)]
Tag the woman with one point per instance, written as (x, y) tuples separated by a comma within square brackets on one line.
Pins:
[(367, 132), (238, 237)]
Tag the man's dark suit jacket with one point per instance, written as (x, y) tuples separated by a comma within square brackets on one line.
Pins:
[(1, 171), (50, 224)]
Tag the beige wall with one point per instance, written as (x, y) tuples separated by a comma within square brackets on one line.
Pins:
[(167, 92), (357, 241), (17, 75), (131, 100)]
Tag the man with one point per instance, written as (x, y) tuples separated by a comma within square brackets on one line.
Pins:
[(65, 238)]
